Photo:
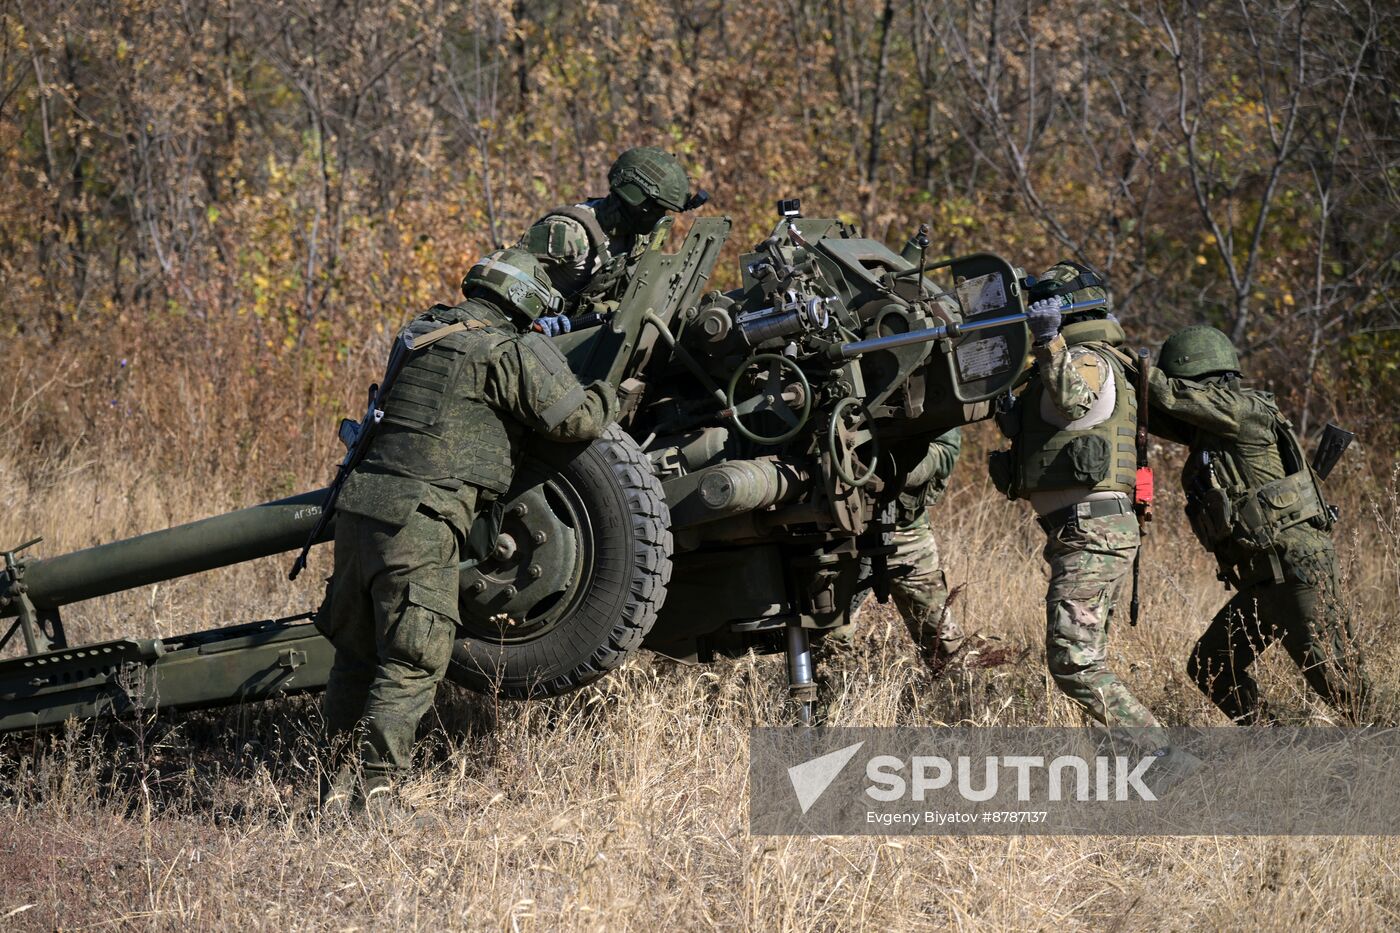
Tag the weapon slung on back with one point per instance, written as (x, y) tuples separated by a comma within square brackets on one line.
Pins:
[(1142, 487), (1334, 443)]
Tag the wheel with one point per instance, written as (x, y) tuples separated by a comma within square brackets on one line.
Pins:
[(773, 397), (850, 428), (579, 571)]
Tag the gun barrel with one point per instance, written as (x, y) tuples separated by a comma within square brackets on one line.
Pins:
[(247, 534), (847, 350), (923, 335)]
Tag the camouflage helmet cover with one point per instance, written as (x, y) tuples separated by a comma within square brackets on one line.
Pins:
[(1068, 272), (1198, 351), (646, 173), (516, 279)]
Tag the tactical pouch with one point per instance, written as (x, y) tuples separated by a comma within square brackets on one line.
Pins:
[(1001, 466), (910, 504), (481, 539), (1089, 458), (1211, 517), (1277, 506)]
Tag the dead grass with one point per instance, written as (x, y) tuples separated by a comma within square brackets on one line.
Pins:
[(624, 806)]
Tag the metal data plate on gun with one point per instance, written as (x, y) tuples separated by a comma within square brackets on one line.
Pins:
[(988, 362)]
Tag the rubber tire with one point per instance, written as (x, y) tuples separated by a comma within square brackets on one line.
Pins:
[(625, 589)]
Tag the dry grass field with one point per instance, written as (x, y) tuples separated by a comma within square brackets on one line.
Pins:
[(624, 806)]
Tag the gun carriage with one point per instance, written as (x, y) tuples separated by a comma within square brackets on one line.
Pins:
[(749, 480)]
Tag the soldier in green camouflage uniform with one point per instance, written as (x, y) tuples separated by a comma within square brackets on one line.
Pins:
[(586, 247), (1073, 457), (448, 442), (1253, 501)]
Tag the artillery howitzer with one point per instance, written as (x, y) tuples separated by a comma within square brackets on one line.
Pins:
[(750, 475)]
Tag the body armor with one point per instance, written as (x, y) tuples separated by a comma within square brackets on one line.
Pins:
[(1240, 499), (1052, 455), (438, 429), (437, 426)]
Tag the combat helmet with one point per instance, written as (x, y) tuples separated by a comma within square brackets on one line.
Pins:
[(1198, 351), (1075, 283), (515, 279), (646, 173)]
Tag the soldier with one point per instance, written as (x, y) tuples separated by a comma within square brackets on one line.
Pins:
[(588, 245), (1256, 504), (918, 584), (447, 446), (916, 579), (1072, 456)]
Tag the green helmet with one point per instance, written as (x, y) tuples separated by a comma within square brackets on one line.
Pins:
[(1198, 351), (515, 278), (647, 173)]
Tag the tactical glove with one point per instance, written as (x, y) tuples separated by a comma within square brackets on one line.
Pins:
[(552, 325), (1043, 317)]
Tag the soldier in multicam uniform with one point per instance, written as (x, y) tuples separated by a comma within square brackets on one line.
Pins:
[(1073, 457), (447, 445), (587, 247), (917, 582), (1255, 503)]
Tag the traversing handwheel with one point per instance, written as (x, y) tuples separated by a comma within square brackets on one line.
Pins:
[(850, 429), (777, 395)]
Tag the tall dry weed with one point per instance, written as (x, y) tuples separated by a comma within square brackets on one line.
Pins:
[(623, 806)]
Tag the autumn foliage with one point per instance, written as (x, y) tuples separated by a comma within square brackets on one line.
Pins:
[(213, 212)]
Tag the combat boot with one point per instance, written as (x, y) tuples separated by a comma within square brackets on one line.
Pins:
[(1173, 766)]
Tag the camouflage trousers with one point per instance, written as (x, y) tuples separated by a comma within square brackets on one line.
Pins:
[(1090, 559), (391, 613), (919, 589), (1305, 612)]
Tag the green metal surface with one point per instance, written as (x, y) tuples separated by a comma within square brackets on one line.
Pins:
[(247, 534), (242, 664)]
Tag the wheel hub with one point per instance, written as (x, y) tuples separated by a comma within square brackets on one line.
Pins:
[(535, 557)]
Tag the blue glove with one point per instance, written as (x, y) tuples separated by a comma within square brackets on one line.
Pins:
[(1043, 317), (552, 325)]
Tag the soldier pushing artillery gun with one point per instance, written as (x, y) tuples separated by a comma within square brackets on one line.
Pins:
[(752, 447)]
